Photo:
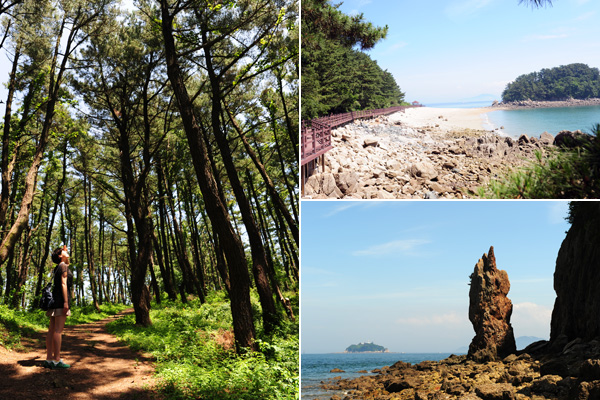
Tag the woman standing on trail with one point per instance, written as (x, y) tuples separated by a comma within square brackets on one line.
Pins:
[(63, 282)]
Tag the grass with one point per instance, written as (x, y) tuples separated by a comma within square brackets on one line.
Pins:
[(193, 346), (15, 325), (572, 173)]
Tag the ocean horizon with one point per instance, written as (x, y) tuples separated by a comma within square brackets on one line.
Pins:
[(315, 368), (532, 121)]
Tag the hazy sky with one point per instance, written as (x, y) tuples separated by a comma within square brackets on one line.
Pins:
[(397, 272), (456, 49)]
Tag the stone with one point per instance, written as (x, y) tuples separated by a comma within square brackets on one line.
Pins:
[(347, 182), (489, 311), (436, 187), (396, 385), (329, 187), (590, 370), (576, 278), (424, 170), (495, 391), (370, 142), (523, 139), (546, 138), (571, 140), (336, 370)]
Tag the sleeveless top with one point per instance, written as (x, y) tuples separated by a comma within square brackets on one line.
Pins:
[(57, 292)]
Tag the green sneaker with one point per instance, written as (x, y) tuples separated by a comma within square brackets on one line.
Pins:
[(61, 365), (47, 364)]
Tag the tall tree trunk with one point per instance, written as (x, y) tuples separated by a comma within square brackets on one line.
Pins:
[(6, 172), (241, 308), (59, 195), (87, 228), (16, 230), (277, 200), (166, 272)]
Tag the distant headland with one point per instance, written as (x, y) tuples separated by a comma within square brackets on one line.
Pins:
[(366, 347)]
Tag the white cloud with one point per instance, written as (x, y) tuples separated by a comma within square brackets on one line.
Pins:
[(396, 246), (341, 208), (530, 319)]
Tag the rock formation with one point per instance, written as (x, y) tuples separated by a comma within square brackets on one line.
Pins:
[(379, 159), (577, 277), (490, 311)]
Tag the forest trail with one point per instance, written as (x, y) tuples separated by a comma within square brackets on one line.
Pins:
[(101, 368)]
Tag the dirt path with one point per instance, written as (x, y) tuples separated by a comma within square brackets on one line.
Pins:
[(101, 368)]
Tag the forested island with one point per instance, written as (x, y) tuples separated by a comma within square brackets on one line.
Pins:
[(337, 77), (368, 347), (157, 140), (573, 81)]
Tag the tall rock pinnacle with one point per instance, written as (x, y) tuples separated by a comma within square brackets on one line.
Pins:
[(577, 277), (490, 311)]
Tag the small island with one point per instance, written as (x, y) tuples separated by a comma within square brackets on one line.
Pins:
[(367, 347)]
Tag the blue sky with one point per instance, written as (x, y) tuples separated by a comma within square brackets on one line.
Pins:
[(451, 50), (397, 272)]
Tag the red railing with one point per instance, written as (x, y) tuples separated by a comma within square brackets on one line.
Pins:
[(316, 134)]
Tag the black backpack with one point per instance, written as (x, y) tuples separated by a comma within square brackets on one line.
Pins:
[(47, 301)]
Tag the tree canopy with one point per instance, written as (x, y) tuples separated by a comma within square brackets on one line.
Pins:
[(337, 77), (577, 81), (365, 347), (159, 145)]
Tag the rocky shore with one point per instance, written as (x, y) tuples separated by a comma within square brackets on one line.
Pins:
[(561, 371), (514, 105), (384, 158)]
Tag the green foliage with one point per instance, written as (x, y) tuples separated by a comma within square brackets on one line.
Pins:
[(335, 77), (563, 174), (576, 81), (15, 324), (321, 20), (196, 358), (364, 347)]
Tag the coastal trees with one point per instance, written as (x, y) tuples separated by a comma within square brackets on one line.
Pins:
[(337, 77), (536, 3), (577, 81)]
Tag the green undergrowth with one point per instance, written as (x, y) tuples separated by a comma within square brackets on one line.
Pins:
[(195, 355), (18, 324), (571, 173)]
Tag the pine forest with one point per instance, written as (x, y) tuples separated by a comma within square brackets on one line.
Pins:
[(158, 141)]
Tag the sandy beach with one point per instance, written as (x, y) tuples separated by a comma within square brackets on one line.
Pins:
[(443, 119)]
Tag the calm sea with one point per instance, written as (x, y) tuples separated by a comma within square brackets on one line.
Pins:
[(315, 367), (533, 122), (537, 120)]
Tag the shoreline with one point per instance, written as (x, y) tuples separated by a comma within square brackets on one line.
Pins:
[(531, 104), (444, 119), (423, 153)]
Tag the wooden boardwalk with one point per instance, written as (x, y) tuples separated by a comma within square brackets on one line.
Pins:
[(316, 135)]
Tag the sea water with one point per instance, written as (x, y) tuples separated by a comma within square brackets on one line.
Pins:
[(535, 121), (316, 367)]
